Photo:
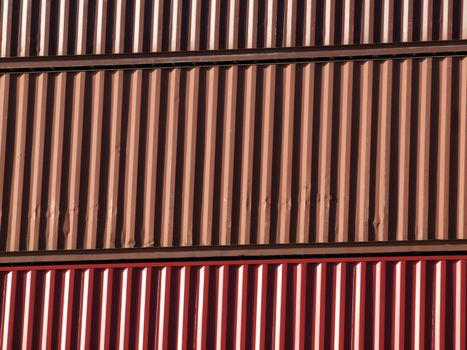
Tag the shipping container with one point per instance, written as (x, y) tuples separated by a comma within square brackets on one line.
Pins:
[(213, 148), (411, 302), (78, 27), (253, 154)]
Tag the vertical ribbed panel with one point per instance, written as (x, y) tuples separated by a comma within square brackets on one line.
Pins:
[(316, 152), (360, 303), (62, 27)]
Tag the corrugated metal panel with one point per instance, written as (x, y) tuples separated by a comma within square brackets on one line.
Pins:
[(63, 27), (345, 303), (318, 152)]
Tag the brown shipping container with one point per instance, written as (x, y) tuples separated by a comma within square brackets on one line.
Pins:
[(233, 153), (315, 152), (65, 27), (416, 302)]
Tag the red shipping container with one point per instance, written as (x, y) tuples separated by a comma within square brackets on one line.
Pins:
[(410, 302)]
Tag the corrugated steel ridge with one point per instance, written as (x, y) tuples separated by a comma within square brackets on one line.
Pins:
[(272, 154), (245, 252), (239, 57), (46, 27), (387, 303)]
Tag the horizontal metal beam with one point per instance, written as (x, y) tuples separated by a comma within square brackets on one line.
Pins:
[(269, 251), (238, 57)]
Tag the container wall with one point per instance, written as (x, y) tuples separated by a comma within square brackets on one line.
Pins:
[(64, 27), (349, 303), (319, 152)]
